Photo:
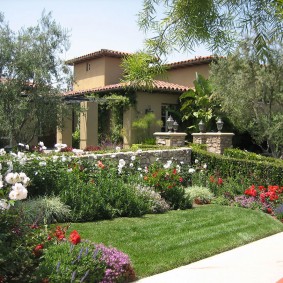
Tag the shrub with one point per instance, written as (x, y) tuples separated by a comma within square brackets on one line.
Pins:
[(199, 195), (156, 203), (18, 240), (167, 181), (85, 262), (46, 210), (254, 172)]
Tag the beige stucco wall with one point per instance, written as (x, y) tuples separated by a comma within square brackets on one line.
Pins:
[(113, 70), (186, 76), (95, 77), (144, 101)]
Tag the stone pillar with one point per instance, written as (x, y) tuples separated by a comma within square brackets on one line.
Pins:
[(65, 135), (216, 142), (170, 138), (128, 118), (88, 124)]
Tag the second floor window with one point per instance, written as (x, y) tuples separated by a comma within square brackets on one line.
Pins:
[(87, 66)]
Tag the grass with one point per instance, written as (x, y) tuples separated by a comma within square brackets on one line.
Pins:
[(157, 243)]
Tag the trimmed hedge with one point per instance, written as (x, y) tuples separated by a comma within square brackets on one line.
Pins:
[(242, 154), (252, 171)]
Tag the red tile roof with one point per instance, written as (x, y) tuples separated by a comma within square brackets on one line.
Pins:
[(196, 61), (97, 54), (157, 86)]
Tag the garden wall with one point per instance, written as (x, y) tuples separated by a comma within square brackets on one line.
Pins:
[(149, 156)]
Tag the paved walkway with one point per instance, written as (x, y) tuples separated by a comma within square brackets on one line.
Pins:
[(257, 262)]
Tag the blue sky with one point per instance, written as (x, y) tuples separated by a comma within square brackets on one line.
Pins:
[(93, 24)]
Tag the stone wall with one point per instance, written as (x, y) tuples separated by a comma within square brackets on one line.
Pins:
[(148, 157), (216, 142)]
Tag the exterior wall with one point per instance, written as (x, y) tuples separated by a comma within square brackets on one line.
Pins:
[(113, 70), (148, 157), (144, 101), (94, 77), (186, 75)]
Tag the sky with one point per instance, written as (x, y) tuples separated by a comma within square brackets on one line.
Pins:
[(92, 24)]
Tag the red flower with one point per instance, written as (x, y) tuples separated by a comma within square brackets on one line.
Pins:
[(251, 191), (181, 180), (75, 238), (100, 164), (174, 172), (211, 179), (145, 178), (220, 181), (59, 233), (269, 210), (37, 251)]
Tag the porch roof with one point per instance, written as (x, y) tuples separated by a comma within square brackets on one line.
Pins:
[(157, 86)]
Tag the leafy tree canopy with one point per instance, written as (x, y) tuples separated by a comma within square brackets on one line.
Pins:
[(184, 24), (251, 93), (32, 75)]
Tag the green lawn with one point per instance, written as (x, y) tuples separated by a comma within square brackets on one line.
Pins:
[(157, 243)]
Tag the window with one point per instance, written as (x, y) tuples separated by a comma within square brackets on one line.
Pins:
[(166, 111), (87, 66)]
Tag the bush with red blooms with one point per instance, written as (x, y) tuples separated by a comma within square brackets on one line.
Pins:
[(83, 261), (214, 184), (268, 199), (166, 180), (92, 148)]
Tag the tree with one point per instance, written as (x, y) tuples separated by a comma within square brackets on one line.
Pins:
[(251, 93), (184, 24), (32, 76), (198, 105), (140, 69)]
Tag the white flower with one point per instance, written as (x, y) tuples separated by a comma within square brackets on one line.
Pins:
[(18, 192), (4, 205), (139, 169), (145, 169), (24, 178), (55, 158), (1, 184), (59, 146), (192, 170), (77, 151), (168, 164), (122, 163), (23, 161), (41, 144), (70, 170), (118, 148), (0, 166), (21, 155), (139, 151), (44, 147), (2, 151), (157, 158), (63, 159), (27, 147), (42, 163), (11, 167), (131, 165), (13, 154), (113, 156), (21, 144), (181, 162), (12, 178), (196, 161), (204, 165), (178, 168), (133, 158)]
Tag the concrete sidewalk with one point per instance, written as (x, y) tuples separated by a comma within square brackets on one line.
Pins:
[(257, 262)]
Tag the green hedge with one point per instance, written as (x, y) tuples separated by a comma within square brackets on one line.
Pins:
[(242, 154), (256, 172)]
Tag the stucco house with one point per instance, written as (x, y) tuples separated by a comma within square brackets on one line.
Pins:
[(100, 73)]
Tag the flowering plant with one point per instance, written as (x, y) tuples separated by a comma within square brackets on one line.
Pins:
[(166, 180)]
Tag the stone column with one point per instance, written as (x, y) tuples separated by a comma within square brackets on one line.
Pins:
[(88, 124), (216, 142)]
